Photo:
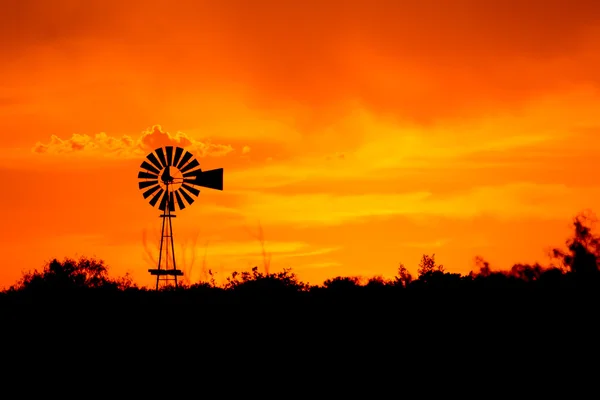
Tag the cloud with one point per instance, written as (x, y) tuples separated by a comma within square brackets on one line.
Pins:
[(246, 150), (540, 136), (57, 145), (510, 201), (310, 253), (421, 60), (126, 146), (156, 137), (336, 156), (425, 245), (318, 265), (280, 249)]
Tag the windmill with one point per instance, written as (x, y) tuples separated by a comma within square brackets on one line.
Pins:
[(170, 177)]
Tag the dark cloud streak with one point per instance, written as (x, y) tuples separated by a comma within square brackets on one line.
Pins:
[(423, 59)]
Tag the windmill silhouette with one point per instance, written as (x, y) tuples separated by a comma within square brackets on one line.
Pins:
[(169, 177)]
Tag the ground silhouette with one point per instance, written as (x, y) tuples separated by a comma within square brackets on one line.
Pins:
[(530, 318)]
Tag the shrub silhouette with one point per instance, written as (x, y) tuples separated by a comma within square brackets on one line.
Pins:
[(276, 284), (342, 283), (378, 283), (526, 272), (69, 274)]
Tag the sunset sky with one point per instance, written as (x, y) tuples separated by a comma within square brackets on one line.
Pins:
[(357, 134)]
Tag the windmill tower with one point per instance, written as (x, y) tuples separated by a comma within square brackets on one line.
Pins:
[(170, 177)]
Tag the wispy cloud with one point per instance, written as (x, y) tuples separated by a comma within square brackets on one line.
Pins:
[(516, 200), (319, 265), (375, 147), (426, 245), (252, 248)]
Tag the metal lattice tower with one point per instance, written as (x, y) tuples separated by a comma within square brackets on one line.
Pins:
[(165, 272)]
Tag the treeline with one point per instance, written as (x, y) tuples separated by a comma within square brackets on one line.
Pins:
[(574, 270)]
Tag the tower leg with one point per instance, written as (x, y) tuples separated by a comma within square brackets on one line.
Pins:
[(162, 239), (172, 248)]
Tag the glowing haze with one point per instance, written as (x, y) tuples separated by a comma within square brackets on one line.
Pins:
[(357, 134)]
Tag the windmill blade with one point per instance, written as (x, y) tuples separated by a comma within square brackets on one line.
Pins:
[(212, 179), (192, 174), (156, 197), (186, 196), (149, 192), (190, 189), (163, 202), (154, 161), (193, 164), (186, 158), (147, 175), (178, 153), (169, 150), (161, 156), (180, 202), (147, 166), (145, 184)]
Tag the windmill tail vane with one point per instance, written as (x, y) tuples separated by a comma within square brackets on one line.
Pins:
[(212, 179)]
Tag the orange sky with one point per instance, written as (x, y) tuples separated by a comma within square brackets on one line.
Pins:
[(359, 134)]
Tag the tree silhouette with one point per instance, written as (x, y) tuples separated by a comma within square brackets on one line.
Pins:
[(484, 267), (583, 249), (68, 274), (404, 278), (427, 265)]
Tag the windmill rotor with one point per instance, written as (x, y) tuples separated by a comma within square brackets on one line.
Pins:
[(170, 176)]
